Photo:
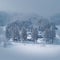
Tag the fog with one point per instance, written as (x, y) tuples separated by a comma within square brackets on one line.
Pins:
[(45, 8)]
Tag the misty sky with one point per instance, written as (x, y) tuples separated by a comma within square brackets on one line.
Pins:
[(42, 7)]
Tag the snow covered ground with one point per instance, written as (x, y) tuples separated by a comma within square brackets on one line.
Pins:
[(24, 51), (30, 52)]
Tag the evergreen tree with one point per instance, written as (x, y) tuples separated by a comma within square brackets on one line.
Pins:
[(50, 33), (43, 24), (24, 34), (16, 36), (53, 32), (34, 34), (47, 34), (8, 32), (12, 31)]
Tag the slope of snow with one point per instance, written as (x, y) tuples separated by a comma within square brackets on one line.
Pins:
[(24, 51), (30, 52)]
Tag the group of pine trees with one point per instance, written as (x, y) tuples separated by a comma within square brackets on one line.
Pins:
[(48, 28), (18, 32)]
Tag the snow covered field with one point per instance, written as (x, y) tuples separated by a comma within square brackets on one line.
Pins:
[(23, 51), (30, 52)]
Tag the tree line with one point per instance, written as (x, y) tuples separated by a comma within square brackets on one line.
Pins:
[(18, 30)]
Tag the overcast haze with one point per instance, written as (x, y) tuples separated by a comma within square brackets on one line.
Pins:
[(43, 7)]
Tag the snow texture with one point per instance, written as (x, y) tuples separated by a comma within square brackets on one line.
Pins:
[(26, 51)]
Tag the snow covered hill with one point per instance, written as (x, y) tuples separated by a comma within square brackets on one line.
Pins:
[(30, 52), (24, 51)]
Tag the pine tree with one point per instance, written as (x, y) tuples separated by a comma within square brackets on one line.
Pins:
[(8, 32), (12, 31), (50, 33), (53, 32), (24, 34), (34, 34), (16, 36)]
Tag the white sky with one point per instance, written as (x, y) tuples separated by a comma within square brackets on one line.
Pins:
[(43, 7)]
